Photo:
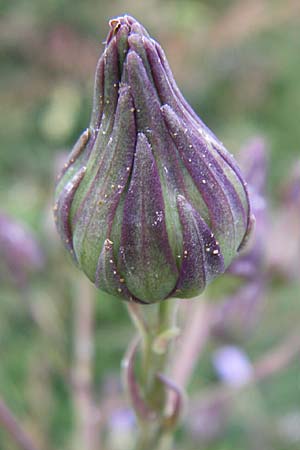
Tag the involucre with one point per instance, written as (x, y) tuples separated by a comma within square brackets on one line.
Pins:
[(150, 203)]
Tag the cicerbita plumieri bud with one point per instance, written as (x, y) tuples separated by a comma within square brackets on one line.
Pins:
[(150, 204)]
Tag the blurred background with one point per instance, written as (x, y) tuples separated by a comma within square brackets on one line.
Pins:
[(237, 63)]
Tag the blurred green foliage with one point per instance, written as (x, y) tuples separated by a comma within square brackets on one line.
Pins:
[(237, 62)]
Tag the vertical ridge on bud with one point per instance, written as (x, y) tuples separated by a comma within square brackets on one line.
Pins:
[(63, 207), (92, 220), (201, 257), (151, 203), (144, 241), (222, 201)]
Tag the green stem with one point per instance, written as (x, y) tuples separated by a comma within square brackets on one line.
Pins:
[(150, 438), (153, 322), (138, 320), (156, 362)]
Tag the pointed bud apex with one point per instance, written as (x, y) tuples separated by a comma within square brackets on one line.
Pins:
[(150, 204)]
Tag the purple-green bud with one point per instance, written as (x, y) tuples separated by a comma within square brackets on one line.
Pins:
[(150, 203)]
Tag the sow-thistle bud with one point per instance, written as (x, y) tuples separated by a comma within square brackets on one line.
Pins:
[(150, 204)]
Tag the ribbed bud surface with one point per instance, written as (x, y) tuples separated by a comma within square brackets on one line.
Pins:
[(150, 203)]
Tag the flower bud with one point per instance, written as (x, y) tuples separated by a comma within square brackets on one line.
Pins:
[(150, 204)]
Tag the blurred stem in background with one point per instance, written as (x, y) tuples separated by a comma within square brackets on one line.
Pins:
[(86, 436), (14, 428), (195, 334), (156, 326)]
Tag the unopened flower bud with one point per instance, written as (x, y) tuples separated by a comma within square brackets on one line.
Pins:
[(150, 204)]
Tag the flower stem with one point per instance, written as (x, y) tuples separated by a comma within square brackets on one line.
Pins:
[(155, 325)]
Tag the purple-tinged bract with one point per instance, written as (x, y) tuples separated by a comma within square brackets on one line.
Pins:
[(150, 203)]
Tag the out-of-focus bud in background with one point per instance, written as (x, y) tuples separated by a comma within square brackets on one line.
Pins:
[(236, 315), (20, 252), (283, 249), (238, 312), (253, 160)]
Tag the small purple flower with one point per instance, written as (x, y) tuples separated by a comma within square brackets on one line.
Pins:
[(232, 365), (121, 428), (150, 203), (122, 419)]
